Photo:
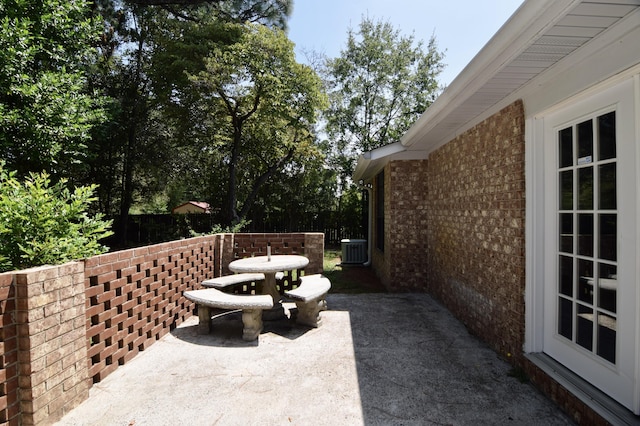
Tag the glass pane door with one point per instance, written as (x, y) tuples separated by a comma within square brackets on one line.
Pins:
[(588, 225)]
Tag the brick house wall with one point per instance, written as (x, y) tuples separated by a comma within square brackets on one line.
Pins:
[(454, 226), (401, 266), (381, 258), (476, 230)]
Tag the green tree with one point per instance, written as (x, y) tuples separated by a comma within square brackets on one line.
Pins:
[(44, 223), (268, 12), (261, 106), (45, 111), (152, 147), (379, 86)]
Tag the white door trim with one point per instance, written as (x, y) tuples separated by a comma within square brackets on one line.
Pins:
[(540, 264)]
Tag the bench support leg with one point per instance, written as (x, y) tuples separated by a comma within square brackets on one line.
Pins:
[(323, 304), (204, 317), (252, 321), (309, 312)]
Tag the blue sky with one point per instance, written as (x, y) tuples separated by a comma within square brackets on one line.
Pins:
[(461, 27)]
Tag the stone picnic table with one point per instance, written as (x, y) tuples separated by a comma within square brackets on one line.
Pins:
[(269, 266)]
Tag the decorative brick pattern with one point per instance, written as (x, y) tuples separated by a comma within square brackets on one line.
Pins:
[(239, 246), (134, 297), (9, 400)]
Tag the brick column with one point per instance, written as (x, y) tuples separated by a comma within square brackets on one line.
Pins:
[(314, 249), (9, 401), (52, 349)]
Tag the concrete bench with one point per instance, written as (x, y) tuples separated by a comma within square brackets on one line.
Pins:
[(229, 280), (251, 305), (309, 297)]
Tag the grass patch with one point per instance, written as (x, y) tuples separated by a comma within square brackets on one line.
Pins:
[(351, 279)]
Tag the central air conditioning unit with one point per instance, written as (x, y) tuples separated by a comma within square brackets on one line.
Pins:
[(354, 251)]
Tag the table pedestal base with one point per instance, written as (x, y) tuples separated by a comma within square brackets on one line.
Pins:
[(273, 314)]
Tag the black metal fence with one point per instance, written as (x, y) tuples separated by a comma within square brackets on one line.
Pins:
[(149, 229)]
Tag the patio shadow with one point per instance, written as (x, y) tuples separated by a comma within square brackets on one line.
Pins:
[(227, 330), (416, 364)]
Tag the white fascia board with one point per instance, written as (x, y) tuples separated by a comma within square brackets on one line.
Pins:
[(371, 162), (526, 25), (384, 151), (372, 158)]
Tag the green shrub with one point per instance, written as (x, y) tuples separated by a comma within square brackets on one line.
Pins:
[(43, 223)]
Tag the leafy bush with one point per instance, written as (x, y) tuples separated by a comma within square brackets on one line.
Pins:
[(41, 223)]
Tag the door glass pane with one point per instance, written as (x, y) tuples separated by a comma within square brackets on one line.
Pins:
[(565, 318), (608, 287), (584, 327), (566, 147), (607, 337), (587, 240), (566, 232), (607, 136), (585, 234), (608, 236), (585, 188), (585, 142), (585, 280), (566, 275), (566, 190), (607, 186)]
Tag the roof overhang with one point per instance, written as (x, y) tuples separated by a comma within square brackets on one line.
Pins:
[(371, 162), (538, 36)]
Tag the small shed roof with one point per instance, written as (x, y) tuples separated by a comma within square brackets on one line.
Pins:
[(201, 205)]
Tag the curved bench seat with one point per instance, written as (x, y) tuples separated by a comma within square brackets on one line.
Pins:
[(234, 279), (251, 305), (309, 297)]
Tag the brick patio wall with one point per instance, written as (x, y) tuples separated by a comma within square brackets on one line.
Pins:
[(9, 392), (135, 297), (63, 328), (44, 363), (309, 244)]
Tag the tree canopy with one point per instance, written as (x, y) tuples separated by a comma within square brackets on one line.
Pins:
[(159, 102), (264, 105), (379, 85), (46, 112)]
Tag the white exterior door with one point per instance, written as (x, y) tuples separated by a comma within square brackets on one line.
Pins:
[(591, 240)]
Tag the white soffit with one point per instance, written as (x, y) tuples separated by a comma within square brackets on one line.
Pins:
[(538, 35)]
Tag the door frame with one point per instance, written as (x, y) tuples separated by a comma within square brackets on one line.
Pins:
[(540, 214)]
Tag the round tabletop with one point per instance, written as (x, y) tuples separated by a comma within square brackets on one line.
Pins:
[(281, 262)]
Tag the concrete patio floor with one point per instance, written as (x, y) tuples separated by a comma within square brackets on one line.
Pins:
[(377, 359)]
